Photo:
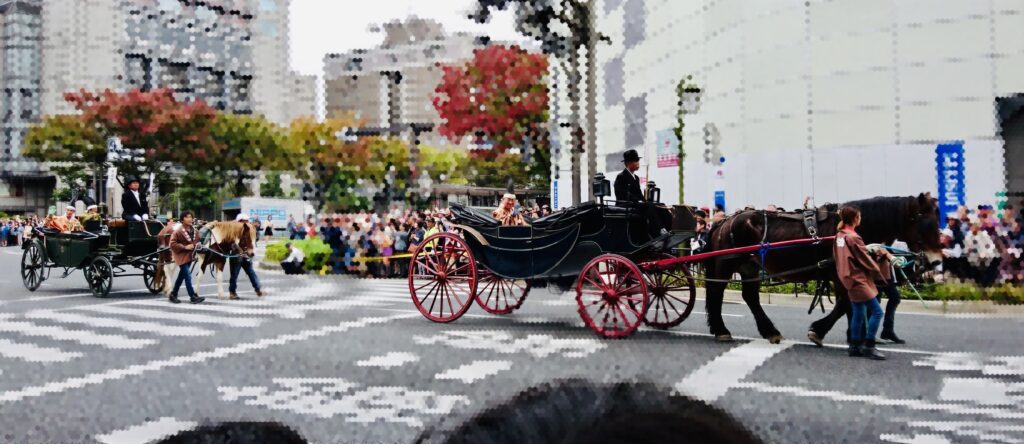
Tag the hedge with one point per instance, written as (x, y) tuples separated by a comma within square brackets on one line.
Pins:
[(316, 251)]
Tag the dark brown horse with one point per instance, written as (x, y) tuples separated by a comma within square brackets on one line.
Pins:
[(911, 219)]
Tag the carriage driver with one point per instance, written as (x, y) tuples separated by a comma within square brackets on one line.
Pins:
[(627, 191), (133, 203)]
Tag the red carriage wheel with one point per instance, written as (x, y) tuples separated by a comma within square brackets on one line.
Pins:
[(442, 281), (673, 291), (498, 295), (611, 293)]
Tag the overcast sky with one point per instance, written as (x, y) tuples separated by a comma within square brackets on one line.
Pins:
[(322, 26)]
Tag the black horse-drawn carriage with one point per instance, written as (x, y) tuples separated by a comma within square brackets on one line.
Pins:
[(101, 252), (592, 247)]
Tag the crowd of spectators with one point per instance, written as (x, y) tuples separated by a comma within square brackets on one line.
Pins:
[(984, 245), (14, 230)]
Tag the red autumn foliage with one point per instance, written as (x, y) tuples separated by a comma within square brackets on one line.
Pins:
[(500, 93), (154, 120)]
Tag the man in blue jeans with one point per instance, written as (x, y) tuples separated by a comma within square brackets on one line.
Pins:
[(184, 241), (245, 263)]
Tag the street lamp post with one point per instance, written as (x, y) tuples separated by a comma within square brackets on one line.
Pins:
[(689, 103)]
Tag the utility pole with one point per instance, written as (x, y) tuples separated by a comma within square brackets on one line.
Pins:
[(591, 142), (574, 119)]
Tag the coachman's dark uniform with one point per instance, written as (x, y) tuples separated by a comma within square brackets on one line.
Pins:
[(627, 187)]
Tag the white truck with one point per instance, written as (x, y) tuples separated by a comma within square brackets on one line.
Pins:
[(263, 208)]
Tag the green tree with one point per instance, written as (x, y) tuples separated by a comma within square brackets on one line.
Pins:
[(247, 144), (445, 165), (494, 171), (72, 147), (271, 187), (332, 166)]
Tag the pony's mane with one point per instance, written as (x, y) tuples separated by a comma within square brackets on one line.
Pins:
[(227, 230)]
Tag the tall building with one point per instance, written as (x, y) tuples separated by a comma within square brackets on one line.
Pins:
[(231, 53), (22, 183), (300, 97), (393, 84), (835, 99)]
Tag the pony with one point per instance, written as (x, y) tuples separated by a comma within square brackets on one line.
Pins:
[(166, 268), (221, 239), (912, 219)]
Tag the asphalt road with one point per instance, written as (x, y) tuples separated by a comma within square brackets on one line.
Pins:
[(344, 360)]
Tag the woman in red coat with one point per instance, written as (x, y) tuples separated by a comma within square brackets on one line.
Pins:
[(858, 273)]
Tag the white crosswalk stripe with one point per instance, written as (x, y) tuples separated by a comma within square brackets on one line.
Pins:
[(84, 337), (34, 353), (175, 316), (126, 325)]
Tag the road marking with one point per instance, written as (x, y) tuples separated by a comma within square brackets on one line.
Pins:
[(983, 391), (148, 432), (84, 337), (175, 316), (475, 371), (975, 362), (392, 359), (399, 310), (826, 345), (916, 439), (715, 378), (913, 404), (219, 307), (329, 397), (540, 346), (137, 290), (133, 326), (180, 361), (34, 353)]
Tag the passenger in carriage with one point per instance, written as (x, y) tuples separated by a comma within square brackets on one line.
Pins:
[(66, 223), (508, 212)]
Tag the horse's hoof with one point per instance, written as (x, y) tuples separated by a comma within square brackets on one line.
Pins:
[(813, 337), (723, 338), (775, 339)]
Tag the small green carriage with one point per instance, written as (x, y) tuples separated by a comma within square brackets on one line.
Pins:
[(102, 253)]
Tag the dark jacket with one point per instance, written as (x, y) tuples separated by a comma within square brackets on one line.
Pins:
[(627, 187), (133, 207), (180, 239)]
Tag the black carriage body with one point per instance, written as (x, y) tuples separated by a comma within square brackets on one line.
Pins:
[(100, 255), (560, 245)]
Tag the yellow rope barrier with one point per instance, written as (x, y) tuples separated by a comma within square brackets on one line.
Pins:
[(381, 258)]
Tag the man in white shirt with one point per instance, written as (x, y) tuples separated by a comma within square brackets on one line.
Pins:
[(294, 262)]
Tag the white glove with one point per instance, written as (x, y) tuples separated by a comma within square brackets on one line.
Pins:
[(873, 248), (145, 217), (136, 217)]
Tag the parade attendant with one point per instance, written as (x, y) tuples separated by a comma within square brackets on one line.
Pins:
[(133, 204), (887, 286), (183, 247), (293, 264), (243, 262), (858, 272), (627, 192), (508, 212), (627, 184)]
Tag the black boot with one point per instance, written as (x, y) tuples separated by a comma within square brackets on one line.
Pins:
[(854, 349), (196, 299), (891, 337), (869, 351), (174, 299)]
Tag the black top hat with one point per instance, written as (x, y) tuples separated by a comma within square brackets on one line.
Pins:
[(130, 179), (630, 156)]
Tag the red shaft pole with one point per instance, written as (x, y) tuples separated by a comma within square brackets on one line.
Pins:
[(665, 263)]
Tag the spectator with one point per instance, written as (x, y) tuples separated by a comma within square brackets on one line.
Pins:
[(296, 260), (981, 255), (291, 227)]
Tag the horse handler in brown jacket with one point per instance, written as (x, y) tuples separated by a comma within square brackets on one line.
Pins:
[(858, 273), (184, 242)]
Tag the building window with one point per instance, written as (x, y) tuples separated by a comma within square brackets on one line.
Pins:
[(175, 76), (614, 79), (636, 121), (139, 72), (634, 24)]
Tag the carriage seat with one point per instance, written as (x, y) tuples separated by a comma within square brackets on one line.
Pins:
[(472, 217), (567, 216)]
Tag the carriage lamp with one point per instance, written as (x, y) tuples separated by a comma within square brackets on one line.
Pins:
[(601, 187), (653, 192)]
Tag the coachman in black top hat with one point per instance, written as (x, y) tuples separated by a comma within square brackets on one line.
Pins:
[(628, 192), (627, 184), (133, 202)]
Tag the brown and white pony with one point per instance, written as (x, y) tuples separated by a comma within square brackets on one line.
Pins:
[(223, 239), (166, 268)]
